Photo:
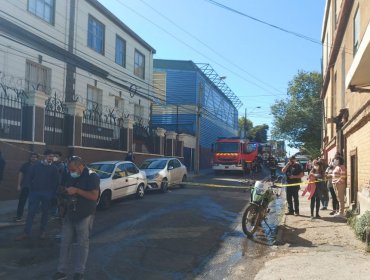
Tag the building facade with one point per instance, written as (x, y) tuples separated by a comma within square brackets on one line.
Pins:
[(186, 90), (346, 93), (76, 79)]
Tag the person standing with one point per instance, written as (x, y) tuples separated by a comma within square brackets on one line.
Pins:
[(62, 169), (339, 183), (272, 164), (82, 190), (329, 175), (294, 173), (317, 173), (23, 185), (43, 183)]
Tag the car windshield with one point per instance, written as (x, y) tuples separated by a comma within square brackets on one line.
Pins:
[(104, 170), (227, 147), (154, 164), (251, 147)]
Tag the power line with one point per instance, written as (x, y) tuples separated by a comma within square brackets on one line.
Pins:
[(299, 35)]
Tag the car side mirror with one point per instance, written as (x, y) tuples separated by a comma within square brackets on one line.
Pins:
[(170, 167)]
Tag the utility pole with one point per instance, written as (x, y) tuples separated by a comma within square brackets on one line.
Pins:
[(245, 123), (197, 129)]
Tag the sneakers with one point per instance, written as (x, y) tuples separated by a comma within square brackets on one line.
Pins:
[(323, 208), (59, 276), (332, 213), (318, 216), (289, 213), (339, 215), (17, 219), (296, 213), (78, 276)]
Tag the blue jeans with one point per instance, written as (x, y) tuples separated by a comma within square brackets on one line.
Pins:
[(75, 238), (35, 199)]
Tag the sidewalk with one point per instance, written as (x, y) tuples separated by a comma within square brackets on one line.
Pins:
[(322, 249)]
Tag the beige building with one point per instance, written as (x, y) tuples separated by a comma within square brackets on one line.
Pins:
[(346, 93)]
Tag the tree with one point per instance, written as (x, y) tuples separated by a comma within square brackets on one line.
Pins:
[(298, 118), (259, 133), (254, 133)]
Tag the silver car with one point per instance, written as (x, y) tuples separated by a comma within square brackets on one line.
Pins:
[(118, 179), (162, 173)]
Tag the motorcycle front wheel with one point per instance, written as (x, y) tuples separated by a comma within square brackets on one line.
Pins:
[(251, 219)]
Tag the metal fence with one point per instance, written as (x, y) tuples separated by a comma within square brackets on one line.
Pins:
[(145, 139), (12, 103), (102, 130), (55, 120)]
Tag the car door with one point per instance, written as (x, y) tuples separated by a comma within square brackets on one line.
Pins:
[(119, 182), (178, 171), (171, 171), (133, 177)]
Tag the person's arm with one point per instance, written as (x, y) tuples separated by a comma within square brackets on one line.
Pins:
[(90, 195), (285, 168)]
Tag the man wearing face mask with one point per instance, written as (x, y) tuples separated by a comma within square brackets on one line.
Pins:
[(294, 173), (82, 188), (43, 182)]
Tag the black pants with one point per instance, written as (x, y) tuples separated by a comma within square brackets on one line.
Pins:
[(334, 199), (292, 193), (315, 199), (22, 201)]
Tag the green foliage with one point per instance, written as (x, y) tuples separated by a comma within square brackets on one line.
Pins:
[(361, 225), (254, 133), (298, 118), (351, 218)]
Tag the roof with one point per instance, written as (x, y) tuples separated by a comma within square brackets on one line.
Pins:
[(206, 70), (96, 4)]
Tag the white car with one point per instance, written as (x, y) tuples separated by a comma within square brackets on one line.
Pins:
[(164, 172), (118, 179)]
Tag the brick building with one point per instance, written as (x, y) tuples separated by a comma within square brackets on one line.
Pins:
[(346, 93), (76, 79)]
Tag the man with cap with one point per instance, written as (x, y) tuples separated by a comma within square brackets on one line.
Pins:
[(294, 173)]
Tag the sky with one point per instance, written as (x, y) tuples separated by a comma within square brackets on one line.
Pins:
[(257, 60)]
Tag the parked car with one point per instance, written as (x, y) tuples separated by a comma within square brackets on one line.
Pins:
[(118, 179), (164, 172)]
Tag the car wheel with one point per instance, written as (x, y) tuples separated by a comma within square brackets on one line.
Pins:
[(140, 191), (183, 181), (164, 185), (105, 200)]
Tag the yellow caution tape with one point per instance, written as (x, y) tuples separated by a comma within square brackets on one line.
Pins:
[(215, 186)]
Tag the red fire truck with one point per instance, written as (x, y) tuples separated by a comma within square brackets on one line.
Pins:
[(234, 154)]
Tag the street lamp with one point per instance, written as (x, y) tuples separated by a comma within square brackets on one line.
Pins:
[(245, 119)]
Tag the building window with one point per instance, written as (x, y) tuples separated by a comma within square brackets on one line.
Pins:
[(139, 64), (120, 51), (95, 36), (38, 77), (94, 100), (43, 9), (119, 103), (356, 31), (138, 113)]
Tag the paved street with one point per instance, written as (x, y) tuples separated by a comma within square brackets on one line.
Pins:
[(183, 234)]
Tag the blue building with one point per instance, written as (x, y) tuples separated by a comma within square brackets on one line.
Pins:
[(180, 87)]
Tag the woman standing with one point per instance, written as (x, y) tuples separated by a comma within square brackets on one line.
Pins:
[(329, 175), (318, 172), (339, 183)]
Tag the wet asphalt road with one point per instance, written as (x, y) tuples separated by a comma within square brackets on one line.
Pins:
[(190, 233)]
